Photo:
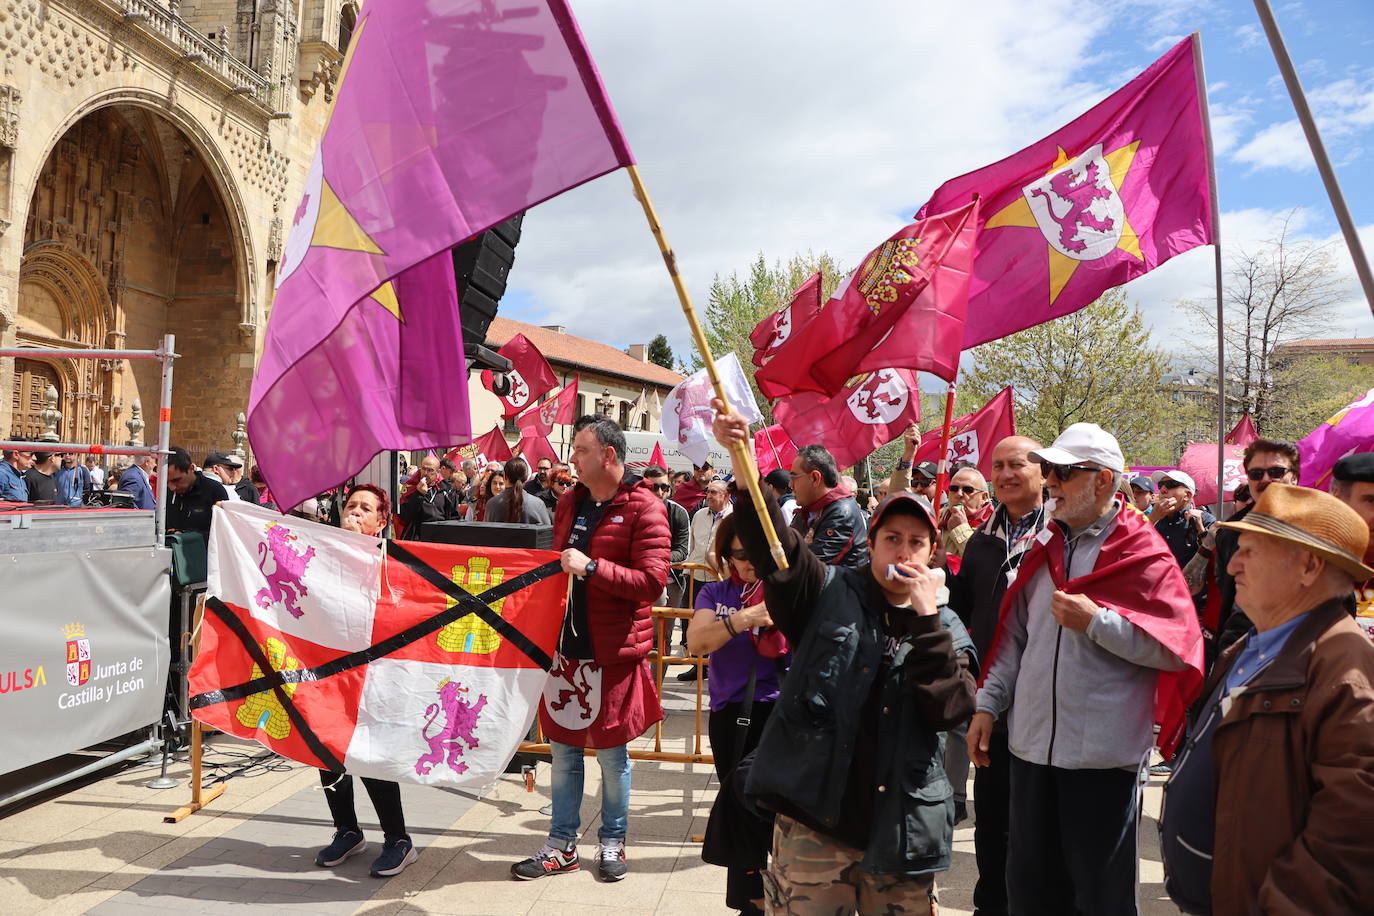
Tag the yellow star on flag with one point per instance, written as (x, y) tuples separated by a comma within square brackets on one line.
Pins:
[(1061, 266)]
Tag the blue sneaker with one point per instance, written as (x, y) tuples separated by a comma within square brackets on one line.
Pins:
[(397, 853), (346, 843)]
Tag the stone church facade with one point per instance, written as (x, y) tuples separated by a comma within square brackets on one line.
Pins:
[(150, 153)]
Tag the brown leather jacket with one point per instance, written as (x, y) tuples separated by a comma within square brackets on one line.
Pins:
[(1294, 759)]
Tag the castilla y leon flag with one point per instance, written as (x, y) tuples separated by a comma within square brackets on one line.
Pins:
[(539, 421), (450, 116), (531, 377), (1106, 198), (397, 660), (890, 307), (869, 412), (973, 436), (773, 331)]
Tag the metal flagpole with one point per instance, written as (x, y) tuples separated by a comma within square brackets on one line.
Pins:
[(1314, 141), (1216, 251), (739, 449), (942, 474)]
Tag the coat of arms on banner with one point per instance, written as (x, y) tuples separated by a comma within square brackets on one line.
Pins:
[(573, 693), (880, 399), (284, 583), (1078, 208), (964, 447), (78, 654)]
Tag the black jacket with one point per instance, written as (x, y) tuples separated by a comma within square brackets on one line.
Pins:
[(435, 505), (975, 594), (191, 511), (247, 492), (853, 748), (838, 536), (680, 524)]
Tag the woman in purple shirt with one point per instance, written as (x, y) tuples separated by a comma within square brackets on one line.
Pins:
[(724, 627)]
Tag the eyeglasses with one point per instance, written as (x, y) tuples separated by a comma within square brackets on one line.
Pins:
[(543, 467), (739, 555), (965, 489), (1064, 471), (1275, 473)]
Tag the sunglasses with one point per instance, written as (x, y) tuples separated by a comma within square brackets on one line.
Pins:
[(1275, 473), (739, 555), (663, 487), (965, 489), (1064, 471)]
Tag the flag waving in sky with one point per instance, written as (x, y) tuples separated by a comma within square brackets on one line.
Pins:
[(774, 331), (561, 408), (409, 661), (449, 118), (973, 436), (870, 411), (1104, 199), (880, 309)]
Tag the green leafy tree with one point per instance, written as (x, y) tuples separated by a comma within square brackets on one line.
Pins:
[(736, 304), (1083, 367), (660, 353)]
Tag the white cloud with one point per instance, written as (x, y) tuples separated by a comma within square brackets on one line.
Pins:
[(758, 131), (1278, 146), (1248, 36)]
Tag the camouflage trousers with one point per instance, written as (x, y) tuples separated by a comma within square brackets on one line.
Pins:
[(810, 874)]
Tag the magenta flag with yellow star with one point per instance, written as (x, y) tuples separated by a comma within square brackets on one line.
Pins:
[(1106, 198), (450, 116)]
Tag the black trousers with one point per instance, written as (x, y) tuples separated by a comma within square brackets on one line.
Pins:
[(991, 810), (751, 838), (1073, 841), (385, 795)]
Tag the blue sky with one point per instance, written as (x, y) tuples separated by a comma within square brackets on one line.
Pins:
[(785, 127)]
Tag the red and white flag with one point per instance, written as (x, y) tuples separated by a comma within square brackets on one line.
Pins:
[(973, 436), (491, 447), (905, 303), (869, 412), (531, 377), (398, 660), (559, 409), (774, 331), (774, 448)]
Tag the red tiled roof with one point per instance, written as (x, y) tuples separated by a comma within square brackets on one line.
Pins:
[(580, 353), (1330, 343)]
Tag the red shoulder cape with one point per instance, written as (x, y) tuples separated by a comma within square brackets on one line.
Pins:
[(1136, 576)]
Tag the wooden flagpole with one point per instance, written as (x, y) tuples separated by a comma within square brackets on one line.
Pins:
[(199, 797), (1216, 251), (942, 474), (739, 450)]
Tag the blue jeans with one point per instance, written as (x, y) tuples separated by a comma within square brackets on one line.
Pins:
[(567, 793)]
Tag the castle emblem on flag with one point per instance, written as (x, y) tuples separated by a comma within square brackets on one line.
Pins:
[(284, 585), (1078, 207), (78, 654), (460, 727), (470, 633), (890, 267), (880, 399), (263, 710)]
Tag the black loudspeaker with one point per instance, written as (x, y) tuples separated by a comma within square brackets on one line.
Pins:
[(488, 534), (481, 267)]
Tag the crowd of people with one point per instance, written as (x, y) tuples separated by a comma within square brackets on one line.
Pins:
[(1061, 625)]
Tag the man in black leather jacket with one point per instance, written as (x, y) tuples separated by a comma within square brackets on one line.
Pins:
[(827, 517)]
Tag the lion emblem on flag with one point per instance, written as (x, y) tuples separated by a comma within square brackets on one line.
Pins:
[(572, 694), (459, 728), (284, 585), (1078, 208), (880, 398)]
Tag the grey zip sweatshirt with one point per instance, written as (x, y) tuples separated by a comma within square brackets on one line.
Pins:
[(1075, 700)]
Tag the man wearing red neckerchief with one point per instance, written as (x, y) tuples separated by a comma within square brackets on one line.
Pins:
[(1097, 642)]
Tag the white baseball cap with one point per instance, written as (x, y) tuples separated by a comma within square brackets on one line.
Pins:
[(1178, 476), (1085, 442)]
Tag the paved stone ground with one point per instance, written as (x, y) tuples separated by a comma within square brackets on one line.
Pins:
[(102, 848)]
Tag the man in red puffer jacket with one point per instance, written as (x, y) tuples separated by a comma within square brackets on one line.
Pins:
[(613, 531)]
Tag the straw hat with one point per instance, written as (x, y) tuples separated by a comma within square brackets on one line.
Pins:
[(1315, 521)]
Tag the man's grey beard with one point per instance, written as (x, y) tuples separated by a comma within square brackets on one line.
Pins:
[(1078, 510)]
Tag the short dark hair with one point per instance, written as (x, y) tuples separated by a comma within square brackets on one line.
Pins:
[(655, 471), (607, 432), (447, 464), (818, 458), (1286, 449), (179, 458)]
